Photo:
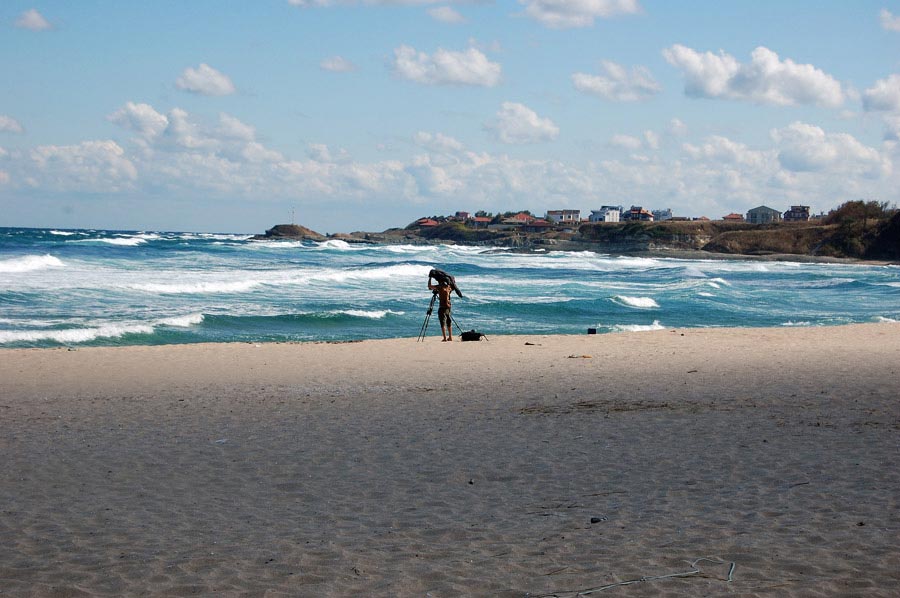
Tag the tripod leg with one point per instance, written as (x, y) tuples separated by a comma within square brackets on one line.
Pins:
[(452, 319), (427, 318), (424, 326)]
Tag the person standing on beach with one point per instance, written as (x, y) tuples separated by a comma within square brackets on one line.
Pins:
[(443, 289)]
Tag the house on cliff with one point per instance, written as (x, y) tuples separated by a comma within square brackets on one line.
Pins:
[(606, 214), (563, 216), (797, 214), (763, 215), (638, 213)]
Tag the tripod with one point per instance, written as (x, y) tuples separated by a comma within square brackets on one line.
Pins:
[(428, 318)]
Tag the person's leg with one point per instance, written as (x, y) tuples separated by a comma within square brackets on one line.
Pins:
[(443, 319)]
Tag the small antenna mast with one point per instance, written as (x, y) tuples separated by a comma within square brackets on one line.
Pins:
[(292, 216)]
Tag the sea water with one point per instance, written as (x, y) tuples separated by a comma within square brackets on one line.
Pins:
[(95, 287)]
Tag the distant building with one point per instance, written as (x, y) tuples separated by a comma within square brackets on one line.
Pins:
[(563, 216), (480, 221), (763, 215), (520, 218), (606, 214), (638, 213), (462, 216), (537, 226), (426, 222), (661, 215), (733, 217), (797, 214)]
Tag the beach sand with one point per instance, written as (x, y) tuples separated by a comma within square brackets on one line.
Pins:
[(520, 466)]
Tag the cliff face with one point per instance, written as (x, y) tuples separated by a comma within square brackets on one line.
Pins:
[(874, 239)]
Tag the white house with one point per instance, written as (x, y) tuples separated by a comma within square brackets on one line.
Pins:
[(564, 216), (606, 214)]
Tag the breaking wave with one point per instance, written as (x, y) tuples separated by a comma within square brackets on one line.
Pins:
[(639, 302), (29, 263)]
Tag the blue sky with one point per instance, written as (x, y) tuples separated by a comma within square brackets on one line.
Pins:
[(365, 114)]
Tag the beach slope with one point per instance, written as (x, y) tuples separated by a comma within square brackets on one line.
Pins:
[(746, 462)]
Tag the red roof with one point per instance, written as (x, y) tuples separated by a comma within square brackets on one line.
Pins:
[(482, 219), (426, 222)]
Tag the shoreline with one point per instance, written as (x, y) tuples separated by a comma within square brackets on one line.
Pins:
[(517, 467)]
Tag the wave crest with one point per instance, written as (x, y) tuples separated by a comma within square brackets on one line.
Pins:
[(29, 263), (638, 302)]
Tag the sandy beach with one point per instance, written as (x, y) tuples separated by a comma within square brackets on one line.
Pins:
[(715, 462)]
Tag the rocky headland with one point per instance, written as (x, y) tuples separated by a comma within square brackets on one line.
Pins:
[(829, 239)]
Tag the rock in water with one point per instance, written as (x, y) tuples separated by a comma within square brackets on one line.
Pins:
[(294, 232)]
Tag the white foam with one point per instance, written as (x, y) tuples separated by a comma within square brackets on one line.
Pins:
[(120, 241), (29, 263), (796, 324), (705, 295), (640, 302), (73, 335), (638, 327), (334, 244), (62, 233), (885, 320), (198, 288), (183, 321), (373, 314)]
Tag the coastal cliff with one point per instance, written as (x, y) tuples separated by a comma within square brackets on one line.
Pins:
[(838, 237)]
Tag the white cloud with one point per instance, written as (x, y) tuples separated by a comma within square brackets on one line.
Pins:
[(721, 150), (232, 128), (141, 118), (807, 148), (445, 67), (438, 142), (33, 20), (884, 95), (257, 153), (565, 14), (677, 128), (337, 64), (626, 142), (446, 14), (319, 152), (518, 124), (649, 140), (222, 159), (617, 84), (205, 80), (892, 124), (10, 125), (765, 80), (93, 166), (889, 21)]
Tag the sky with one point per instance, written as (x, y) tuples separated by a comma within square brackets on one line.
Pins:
[(347, 115)]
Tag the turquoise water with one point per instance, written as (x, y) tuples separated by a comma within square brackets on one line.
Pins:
[(80, 287)]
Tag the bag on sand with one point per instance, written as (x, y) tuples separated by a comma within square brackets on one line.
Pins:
[(472, 336)]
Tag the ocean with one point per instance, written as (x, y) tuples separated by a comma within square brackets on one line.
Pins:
[(94, 287)]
